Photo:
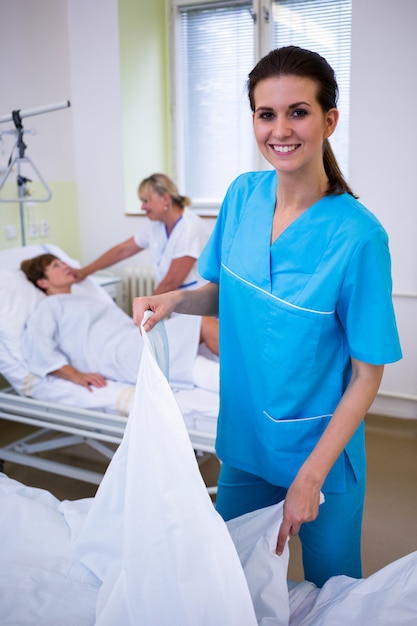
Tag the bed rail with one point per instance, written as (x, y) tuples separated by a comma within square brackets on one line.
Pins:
[(58, 426)]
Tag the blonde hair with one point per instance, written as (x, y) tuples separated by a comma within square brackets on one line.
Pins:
[(161, 184)]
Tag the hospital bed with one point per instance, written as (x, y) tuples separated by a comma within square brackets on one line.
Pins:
[(61, 413), (150, 548)]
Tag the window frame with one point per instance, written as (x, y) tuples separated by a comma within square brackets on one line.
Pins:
[(262, 12), (203, 206)]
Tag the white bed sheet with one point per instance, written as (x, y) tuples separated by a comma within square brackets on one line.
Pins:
[(41, 583), (151, 547)]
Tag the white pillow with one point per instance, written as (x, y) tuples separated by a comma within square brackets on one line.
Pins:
[(18, 298)]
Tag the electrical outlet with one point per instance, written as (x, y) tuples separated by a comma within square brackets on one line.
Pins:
[(44, 228), (33, 230), (11, 232)]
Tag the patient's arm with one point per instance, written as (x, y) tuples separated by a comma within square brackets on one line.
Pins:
[(85, 379)]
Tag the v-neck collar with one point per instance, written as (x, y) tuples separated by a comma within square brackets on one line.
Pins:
[(175, 223)]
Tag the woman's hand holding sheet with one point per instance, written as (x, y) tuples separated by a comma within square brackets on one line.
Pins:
[(301, 505), (162, 307)]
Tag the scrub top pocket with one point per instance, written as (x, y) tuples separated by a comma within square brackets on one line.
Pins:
[(288, 442), (295, 332)]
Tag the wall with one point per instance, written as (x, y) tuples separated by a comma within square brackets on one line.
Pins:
[(119, 131), (94, 154), (34, 49), (144, 67), (382, 164)]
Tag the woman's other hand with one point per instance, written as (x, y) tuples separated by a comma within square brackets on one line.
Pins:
[(301, 505)]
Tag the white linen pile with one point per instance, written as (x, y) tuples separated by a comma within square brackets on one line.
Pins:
[(41, 583), (150, 549)]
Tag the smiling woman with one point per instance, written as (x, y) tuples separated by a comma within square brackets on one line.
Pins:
[(286, 125), (300, 273), (305, 101)]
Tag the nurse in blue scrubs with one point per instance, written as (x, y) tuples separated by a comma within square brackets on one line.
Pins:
[(299, 273)]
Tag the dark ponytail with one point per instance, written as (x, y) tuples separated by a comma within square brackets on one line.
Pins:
[(337, 182)]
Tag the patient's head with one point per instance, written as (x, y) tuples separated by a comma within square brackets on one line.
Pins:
[(48, 273)]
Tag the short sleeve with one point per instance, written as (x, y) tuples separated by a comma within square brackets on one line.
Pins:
[(209, 263), (365, 306), (142, 238)]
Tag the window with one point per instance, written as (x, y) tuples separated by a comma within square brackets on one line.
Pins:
[(216, 44), (323, 26)]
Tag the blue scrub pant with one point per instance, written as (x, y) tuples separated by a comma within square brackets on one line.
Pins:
[(331, 544)]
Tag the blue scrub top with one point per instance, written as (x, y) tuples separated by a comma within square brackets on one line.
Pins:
[(292, 314)]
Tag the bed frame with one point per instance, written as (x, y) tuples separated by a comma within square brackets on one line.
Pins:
[(58, 426)]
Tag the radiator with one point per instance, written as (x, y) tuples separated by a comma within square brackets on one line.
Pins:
[(137, 281)]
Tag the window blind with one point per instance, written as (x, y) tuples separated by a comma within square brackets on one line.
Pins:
[(216, 54), (325, 27)]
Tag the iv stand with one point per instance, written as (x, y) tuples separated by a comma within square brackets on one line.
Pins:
[(20, 158)]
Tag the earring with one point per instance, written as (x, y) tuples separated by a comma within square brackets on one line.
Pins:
[(166, 207)]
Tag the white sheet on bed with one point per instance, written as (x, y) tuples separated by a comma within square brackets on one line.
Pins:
[(164, 555), (42, 584), (40, 581), (97, 336)]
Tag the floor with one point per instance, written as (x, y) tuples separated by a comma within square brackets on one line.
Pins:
[(390, 517)]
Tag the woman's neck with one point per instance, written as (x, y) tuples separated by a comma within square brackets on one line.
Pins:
[(293, 197), (173, 214), (297, 192)]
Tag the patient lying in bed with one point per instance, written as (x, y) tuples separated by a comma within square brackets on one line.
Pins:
[(87, 340)]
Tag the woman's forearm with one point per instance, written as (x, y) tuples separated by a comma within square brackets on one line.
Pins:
[(117, 253), (202, 301), (349, 413), (303, 496)]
